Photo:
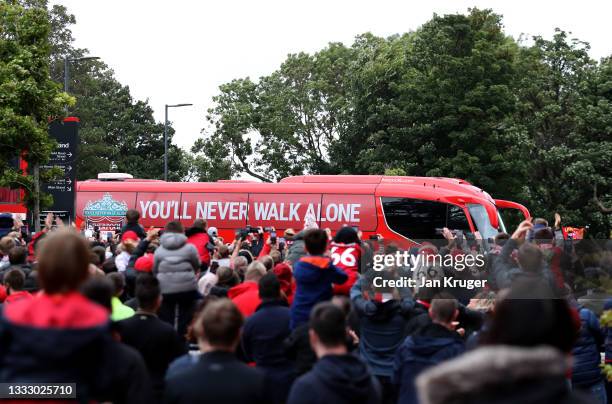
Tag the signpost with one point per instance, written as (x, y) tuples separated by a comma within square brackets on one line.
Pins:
[(64, 157)]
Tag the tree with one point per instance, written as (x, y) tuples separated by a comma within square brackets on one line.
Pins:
[(442, 106), (455, 98), (286, 123), (117, 132), (28, 97), (565, 105)]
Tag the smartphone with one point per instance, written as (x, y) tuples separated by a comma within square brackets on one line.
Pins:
[(273, 237), (109, 236)]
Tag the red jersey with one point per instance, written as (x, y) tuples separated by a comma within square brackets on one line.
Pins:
[(347, 257)]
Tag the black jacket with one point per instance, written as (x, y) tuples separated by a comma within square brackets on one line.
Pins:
[(262, 342), (130, 382), (336, 379), (218, 377), (156, 341), (429, 346)]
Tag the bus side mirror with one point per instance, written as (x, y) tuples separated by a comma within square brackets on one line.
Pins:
[(500, 203)]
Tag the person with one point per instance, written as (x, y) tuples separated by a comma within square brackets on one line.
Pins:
[(175, 264), (129, 242), (586, 374), (283, 271), (522, 359), (435, 343), (226, 279), (263, 335), (157, 341), (246, 295), (119, 310), (221, 256), (531, 269), (130, 381), (132, 216), (57, 335), (6, 244), (218, 376), (199, 238), (14, 281), (346, 254), (382, 323), (337, 377), (314, 275)]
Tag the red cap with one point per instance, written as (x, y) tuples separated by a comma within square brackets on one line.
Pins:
[(129, 235), (144, 263)]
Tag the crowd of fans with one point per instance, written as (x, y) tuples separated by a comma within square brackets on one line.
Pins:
[(180, 315)]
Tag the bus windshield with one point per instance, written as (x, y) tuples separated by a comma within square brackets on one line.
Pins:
[(482, 222)]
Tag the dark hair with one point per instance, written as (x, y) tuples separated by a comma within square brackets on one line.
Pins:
[(315, 241), (14, 279), (269, 287), (530, 258), (443, 308), (118, 282), (329, 323), (532, 322), (174, 227), (501, 238), (347, 235), (132, 216), (544, 235), (17, 255), (99, 290), (147, 291), (100, 252), (220, 323), (63, 262)]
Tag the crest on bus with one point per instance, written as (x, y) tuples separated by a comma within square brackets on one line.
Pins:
[(106, 213)]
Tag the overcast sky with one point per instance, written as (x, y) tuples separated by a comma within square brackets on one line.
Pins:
[(180, 51)]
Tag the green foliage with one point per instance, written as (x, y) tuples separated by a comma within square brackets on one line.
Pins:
[(28, 97), (117, 132), (456, 98)]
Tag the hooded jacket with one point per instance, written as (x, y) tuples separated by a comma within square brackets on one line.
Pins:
[(296, 250), (336, 379), (429, 346), (314, 276), (246, 297), (500, 374), (56, 338), (262, 342), (381, 328), (586, 371), (200, 239), (175, 263)]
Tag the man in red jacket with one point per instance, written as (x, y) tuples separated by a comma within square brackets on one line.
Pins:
[(14, 281), (199, 238), (246, 295)]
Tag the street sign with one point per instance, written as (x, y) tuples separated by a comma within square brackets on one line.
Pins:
[(64, 157)]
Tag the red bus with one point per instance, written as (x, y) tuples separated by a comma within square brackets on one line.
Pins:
[(396, 207)]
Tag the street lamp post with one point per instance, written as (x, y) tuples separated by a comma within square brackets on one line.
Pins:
[(67, 68), (166, 136)]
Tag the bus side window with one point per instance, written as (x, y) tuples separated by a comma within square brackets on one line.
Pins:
[(456, 219), (415, 219), (418, 219)]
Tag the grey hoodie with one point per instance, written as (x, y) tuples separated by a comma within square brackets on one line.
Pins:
[(175, 263)]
